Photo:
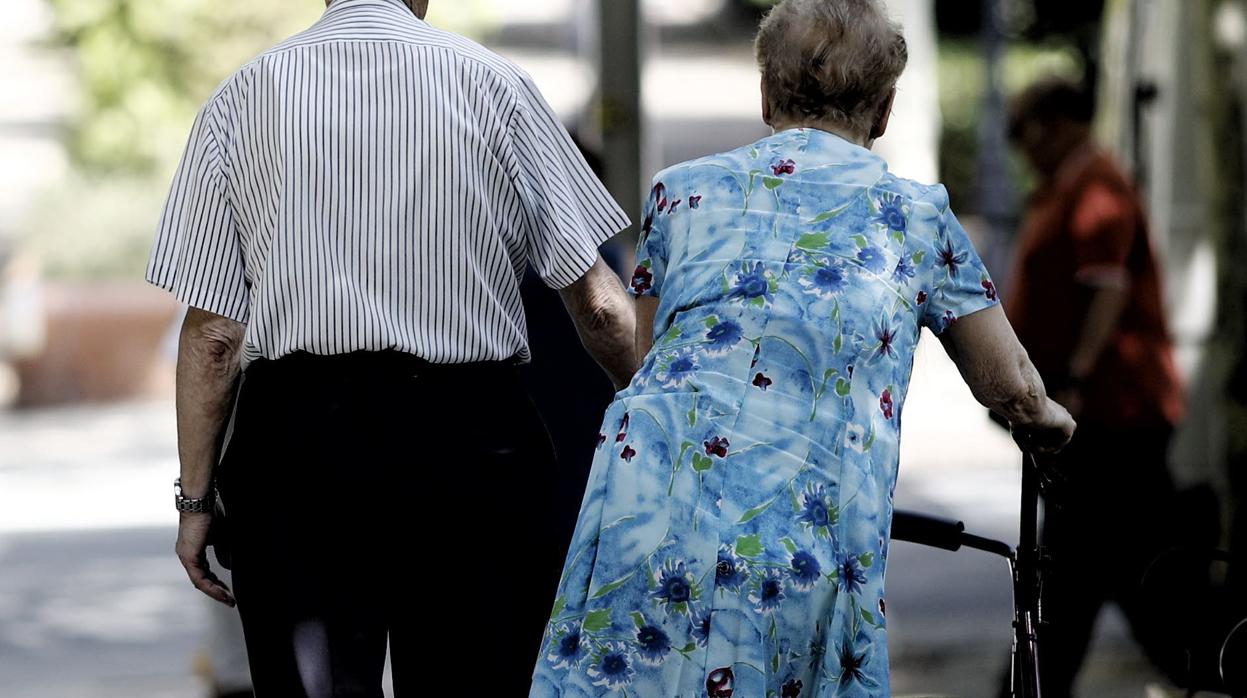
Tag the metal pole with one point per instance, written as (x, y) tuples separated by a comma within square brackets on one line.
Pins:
[(995, 191), (620, 111)]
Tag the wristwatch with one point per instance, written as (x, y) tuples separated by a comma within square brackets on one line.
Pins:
[(200, 505)]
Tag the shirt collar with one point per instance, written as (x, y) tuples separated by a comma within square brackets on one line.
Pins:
[(341, 6)]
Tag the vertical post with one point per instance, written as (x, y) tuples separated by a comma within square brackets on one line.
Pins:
[(995, 191), (1228, 350), (620, 113)]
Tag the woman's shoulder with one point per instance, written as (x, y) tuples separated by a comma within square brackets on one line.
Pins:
[(739, 159), (932, 195)]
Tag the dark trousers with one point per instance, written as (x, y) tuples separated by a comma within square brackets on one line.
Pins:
[(1102, 528), (372, 496)]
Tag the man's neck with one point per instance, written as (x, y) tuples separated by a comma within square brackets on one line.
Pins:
[(404, 3)]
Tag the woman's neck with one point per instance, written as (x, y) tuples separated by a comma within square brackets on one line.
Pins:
[(833, 128)]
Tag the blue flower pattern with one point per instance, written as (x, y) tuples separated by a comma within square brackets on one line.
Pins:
[(745, 537)]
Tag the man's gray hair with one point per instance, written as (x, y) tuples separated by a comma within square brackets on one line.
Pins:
[(834, 60)]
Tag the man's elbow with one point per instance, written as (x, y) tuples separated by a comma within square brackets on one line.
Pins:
[(604, 316), (598, 302), (213, 342)]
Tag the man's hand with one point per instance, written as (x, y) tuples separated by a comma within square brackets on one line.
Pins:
[(192, 550)]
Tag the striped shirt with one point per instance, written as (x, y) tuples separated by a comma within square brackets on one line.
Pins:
[(374, 183)]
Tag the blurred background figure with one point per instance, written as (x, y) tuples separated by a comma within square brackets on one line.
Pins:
[(98, 100), (1085, 299)]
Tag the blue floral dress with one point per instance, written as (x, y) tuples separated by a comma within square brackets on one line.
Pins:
[(734, 531)]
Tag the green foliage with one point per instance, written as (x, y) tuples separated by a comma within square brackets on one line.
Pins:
[(145, 67), (963, 82)]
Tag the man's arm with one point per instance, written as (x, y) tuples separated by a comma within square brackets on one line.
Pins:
[(207, 377), (605, 320)]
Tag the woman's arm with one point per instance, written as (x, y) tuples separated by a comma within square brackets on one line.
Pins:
[(1002, 378)]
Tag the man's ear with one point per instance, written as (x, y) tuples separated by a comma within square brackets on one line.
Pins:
[(882, 116)]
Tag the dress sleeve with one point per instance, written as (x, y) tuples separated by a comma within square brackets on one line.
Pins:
[(651, 253), (956, 282)]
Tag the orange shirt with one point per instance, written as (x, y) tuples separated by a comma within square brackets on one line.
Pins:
[(1088, 223)]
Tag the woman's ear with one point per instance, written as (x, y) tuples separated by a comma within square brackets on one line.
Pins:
[(766, 106), (882, 116)]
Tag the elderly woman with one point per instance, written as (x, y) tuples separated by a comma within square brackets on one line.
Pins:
[(734, 533)]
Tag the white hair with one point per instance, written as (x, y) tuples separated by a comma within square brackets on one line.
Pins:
[(832, 60)]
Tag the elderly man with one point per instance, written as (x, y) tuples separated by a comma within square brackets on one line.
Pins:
[(349, 225)]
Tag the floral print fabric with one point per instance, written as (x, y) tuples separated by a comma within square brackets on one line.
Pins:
[(734, 531)]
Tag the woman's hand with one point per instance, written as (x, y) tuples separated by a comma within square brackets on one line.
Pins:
[(1070, 399), (1047, 432), (192, 550)]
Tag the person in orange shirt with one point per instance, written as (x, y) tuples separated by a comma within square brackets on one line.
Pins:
[(1085, 299)]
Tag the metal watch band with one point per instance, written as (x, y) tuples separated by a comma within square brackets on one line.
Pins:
[(199, 505)]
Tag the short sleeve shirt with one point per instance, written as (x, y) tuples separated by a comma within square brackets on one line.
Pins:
[(374, 183)]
